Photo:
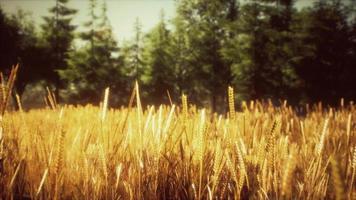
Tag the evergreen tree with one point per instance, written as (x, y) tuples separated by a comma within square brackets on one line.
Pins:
[(58, 32), (281, 52), (136, 59), (262, 50), (326, 66), (204, 21), (350, 71), (132, 52), (21, 45), (245, 50), (183, 76), (96, 65), (159, 63)]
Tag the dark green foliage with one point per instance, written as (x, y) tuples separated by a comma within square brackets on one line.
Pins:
[(58, 33), (207, 34), (182, 55), (160, 63), (132, 52), (327, 66), (261, 51), (96, 65), (19, 44)]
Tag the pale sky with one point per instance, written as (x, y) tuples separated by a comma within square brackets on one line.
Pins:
[(122, 13)]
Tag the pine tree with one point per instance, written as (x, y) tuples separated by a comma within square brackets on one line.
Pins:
[(244, 48), (262, 50), (206, 33), (20, 44), (96, 65), (326, 64), (58, 32), (136, 60), (133, 51), (159, 63), (281, 51), (181, 52)]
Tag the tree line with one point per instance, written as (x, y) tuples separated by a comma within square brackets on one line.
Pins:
[(265, 49)]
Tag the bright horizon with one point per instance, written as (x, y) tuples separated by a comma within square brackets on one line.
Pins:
[(121, 13)]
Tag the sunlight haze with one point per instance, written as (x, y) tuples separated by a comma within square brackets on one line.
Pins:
[(121, 13)]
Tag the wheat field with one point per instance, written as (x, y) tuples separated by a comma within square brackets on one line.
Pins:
[(178, 152)]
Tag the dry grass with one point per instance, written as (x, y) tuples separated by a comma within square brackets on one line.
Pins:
[(177, 152)]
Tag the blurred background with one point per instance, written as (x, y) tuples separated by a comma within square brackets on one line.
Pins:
[(303, 51)]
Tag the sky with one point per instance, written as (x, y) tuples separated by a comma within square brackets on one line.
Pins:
[(121, 13)]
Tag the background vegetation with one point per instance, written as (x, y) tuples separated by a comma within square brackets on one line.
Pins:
[(264, 48)]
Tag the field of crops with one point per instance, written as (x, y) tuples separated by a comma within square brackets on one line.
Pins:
[(178, 152)]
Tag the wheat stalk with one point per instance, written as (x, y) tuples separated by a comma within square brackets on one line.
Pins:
[(8, 90), (185, 108), (42, 182), (217, 165), (233, 172), (200, 153), (320, 146), (231, 102), (287, 175), (338, 183), (105, 104), (348, 128), (51, 99), (59, 161), (241, 163), (353, 166), (15, 175), (19, 103), (272, 137), (3, 89), (118, 172)]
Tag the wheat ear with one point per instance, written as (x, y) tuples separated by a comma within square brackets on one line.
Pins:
[(320, 146), (185, 108), (337, 180), (105, 104), (231, 102)]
